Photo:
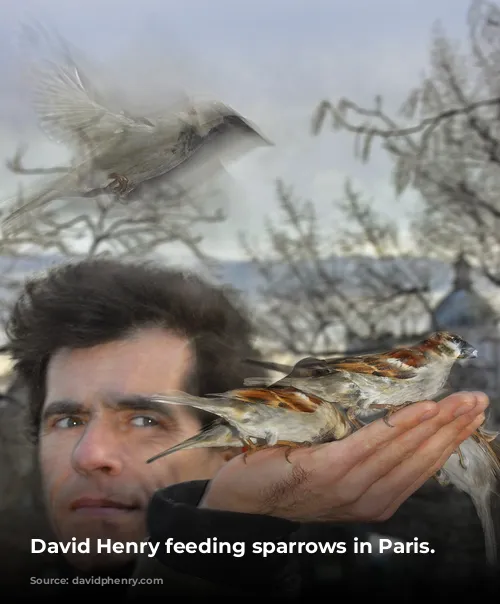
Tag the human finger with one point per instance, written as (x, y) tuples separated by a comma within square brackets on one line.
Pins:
[(386, 459), (436, 457), (389, 470), (360, 445)]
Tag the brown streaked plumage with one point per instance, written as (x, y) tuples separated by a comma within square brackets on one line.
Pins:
[(269, 417), (284, 398)]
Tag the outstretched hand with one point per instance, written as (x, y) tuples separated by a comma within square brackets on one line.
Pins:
[(365, 477)]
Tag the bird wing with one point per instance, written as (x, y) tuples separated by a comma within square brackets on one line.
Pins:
[(270, 365), (285, 398), (68, 109), (67, 112), (307, 367), (400, 364), (378, 367)]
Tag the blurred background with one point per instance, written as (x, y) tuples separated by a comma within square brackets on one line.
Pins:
[(372, 221)]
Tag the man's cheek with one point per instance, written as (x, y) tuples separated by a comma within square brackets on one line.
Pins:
[(55, 465), (51, 453)]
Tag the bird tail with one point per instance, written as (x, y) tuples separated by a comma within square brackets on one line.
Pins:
[(219, 405), (483, 507), (20, 212), (258, 382), (218, 434), (270, 365), (484, 504)]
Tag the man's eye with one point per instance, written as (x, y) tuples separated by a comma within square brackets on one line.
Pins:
[(143, 421), (68, 422)]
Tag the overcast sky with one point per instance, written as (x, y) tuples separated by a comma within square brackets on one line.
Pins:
[(272, 60)]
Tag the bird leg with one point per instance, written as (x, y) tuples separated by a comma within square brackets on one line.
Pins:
[(119, 185), (461, 458), (390, 410), (252, 448), (351, 416), (441, 478), (291, 445)]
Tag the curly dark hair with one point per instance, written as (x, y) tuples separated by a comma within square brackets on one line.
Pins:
[(94, 301)]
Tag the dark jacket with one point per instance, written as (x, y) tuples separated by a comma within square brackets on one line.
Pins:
[(173, 514)]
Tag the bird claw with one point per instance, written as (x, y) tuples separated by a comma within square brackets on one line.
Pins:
[(290, 446), (351, 416), (461, 458), (386, 421), (390, 410), (251, 448), (119, 185)]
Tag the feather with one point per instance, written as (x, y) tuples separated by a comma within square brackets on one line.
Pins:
[(479, 479), (217, 434)]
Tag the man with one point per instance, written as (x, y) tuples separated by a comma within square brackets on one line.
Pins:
[(87, 338), (91, 338)]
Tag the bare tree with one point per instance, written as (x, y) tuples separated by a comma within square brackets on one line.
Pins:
[(445, 143), (319, 289), (161, 216)]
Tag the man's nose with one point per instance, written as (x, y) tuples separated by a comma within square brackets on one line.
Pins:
[(98, 449)]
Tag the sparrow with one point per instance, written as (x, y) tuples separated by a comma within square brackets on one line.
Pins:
[(478, 479), (269, 417), (116, 151), (218, 434), (387, 380)]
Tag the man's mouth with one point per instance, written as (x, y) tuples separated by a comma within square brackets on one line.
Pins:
[(101, 507)]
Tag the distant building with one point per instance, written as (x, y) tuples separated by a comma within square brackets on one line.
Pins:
[(464, 311)]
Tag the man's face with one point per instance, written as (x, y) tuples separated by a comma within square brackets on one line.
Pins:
[(95, 438)]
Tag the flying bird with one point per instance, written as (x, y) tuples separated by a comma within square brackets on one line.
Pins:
[(116, 152), (267, 417), (479, 479)]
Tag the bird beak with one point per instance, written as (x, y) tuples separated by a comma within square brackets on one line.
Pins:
[(468, 352)]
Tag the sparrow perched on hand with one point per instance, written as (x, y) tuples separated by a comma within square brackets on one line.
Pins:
[(185, 144), (218, 434), (479, 479), (387, 380), (274, 417)]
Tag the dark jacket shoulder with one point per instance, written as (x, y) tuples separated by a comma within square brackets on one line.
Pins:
[(214, 552)]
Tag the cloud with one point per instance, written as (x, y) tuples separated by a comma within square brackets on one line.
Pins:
[(273, 61)]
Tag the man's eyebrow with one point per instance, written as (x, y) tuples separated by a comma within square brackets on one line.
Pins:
[(138, 402), (135, 402), (64, 407)]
